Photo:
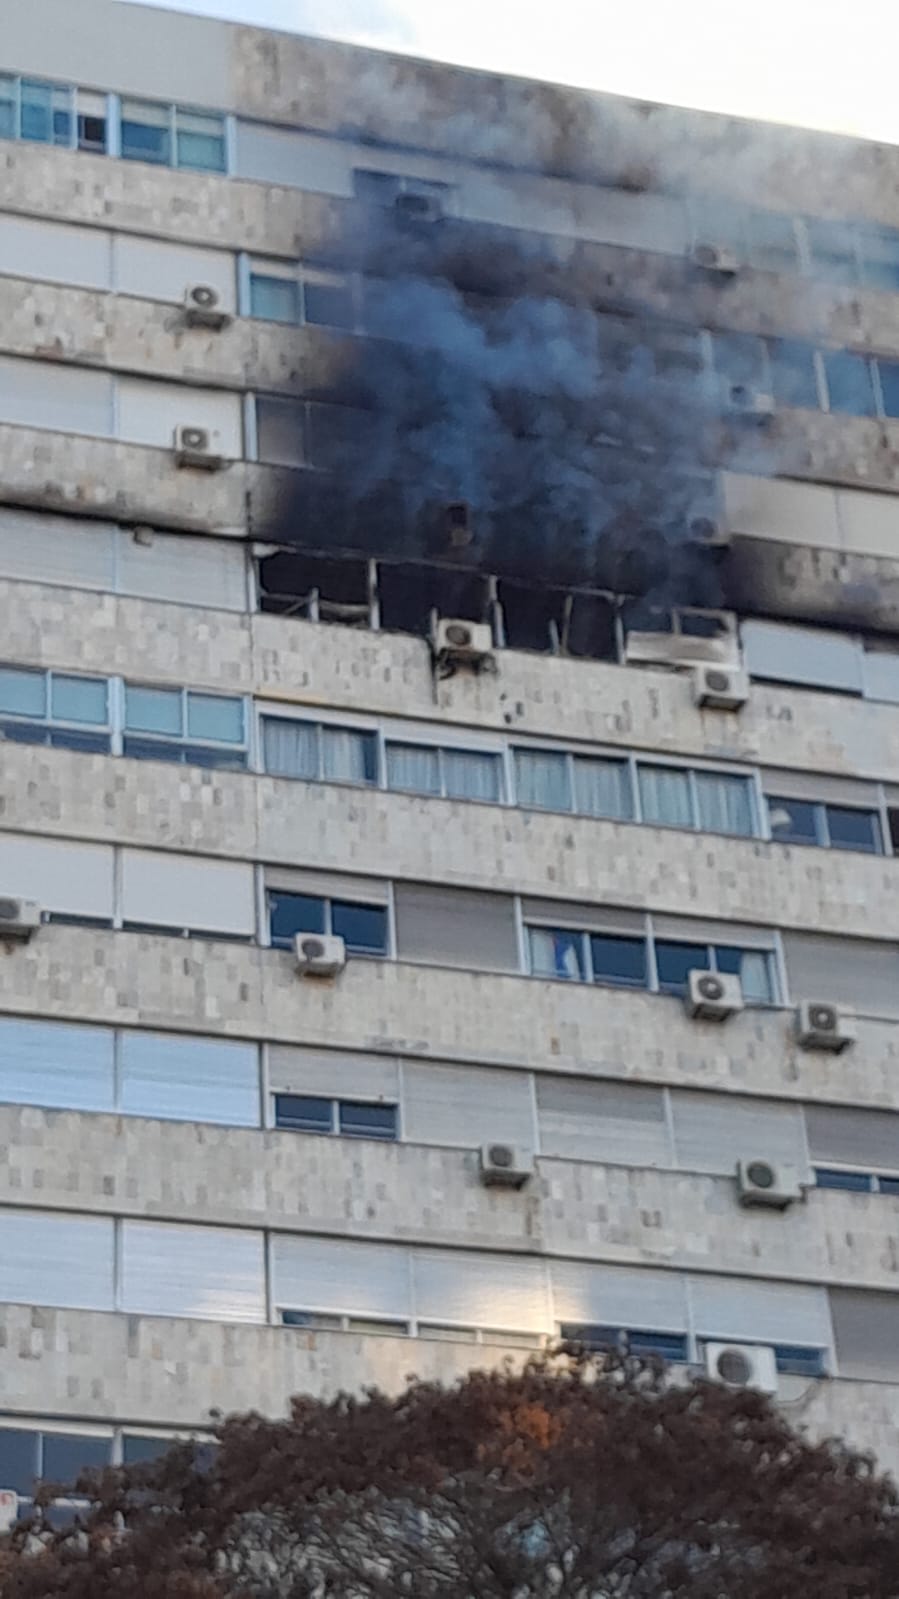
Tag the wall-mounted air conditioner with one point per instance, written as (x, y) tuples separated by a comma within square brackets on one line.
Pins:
[(742, 1366), (505, 1166), (319, 954), (743, 400), (763, 1182), (19, 918), (713, 996), (460, 643), (720, 688), (414, 207), (822, 1025), (718, 258), (203, 307), (196, 446)]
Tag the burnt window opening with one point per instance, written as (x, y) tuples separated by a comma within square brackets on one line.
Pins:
[(558, 621), (644, 616), (410, 594), (318, 588)]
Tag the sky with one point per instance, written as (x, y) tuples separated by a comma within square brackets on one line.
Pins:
[(818, 63)]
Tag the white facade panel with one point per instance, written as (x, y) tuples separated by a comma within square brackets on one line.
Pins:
[(153, 269), (55, 252), (602, 1122), (47, 1063), (187, 571), (619, 1296), (188, 891), (56, 1259), (149, 413), (466, 1106), (214, 1273), (45, 394), (760, 1312), (72, 879), (480, 1290), (190, 1079), (806, 655), (298, 160), (57, 549), (713, 1131), (340, 1276), (332, 1074)]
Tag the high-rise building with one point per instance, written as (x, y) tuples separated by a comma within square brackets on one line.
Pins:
[(449, 549)]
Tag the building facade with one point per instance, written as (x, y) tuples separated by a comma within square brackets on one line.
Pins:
[(593, 781)]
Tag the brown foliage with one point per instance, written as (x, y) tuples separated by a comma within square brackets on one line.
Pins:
[(577, 1478)]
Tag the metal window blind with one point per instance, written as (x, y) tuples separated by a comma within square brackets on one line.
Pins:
[(854, 971), (328, 885), (765, 1312), (41, 549), (331, 1073), (480, 1290), (466, 1105), (47, 1063), (170, 890), (866, 1333), (593, 918), (213, 1273), (73, 879), (55, 1259), (787, 654), (192, 1079), (619, 1296), (456, 927), (713, 1131), (205, 571), (620, 1122), (341, 1275), (865, 1138), (815, 786)]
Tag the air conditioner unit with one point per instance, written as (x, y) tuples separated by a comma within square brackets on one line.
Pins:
[(720, 688), (463, 643), (716, 258), (709, 531), (761, 1182), (196, 446), (505, 1166), (19, 918), (203, 307), (743, 400), (742, 1366), (823, 1025), (319, 954), (414, 207), (713, 996)]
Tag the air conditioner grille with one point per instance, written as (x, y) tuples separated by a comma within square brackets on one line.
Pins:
[(711, 988), (312, 949), (760, 1174), (824, 1017), (717, 682), (195, 438), (456, 634), (501, 1155), (734, 1367), (203, 295), (9, 910)]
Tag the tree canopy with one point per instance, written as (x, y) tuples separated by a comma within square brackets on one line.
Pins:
[(578, 1477)]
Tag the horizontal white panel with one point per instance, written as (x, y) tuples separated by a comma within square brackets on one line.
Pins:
[(881, 673), (187, 891), (328, 885), (866, 1333), (214, 1273), (487, 1291), (188, 571), (301, 161), (47, 1063), (55, 1259), (817, 786), (713, 1131), (775, 508), (73, 879), (466, 1105), (149, 413), (341, 1276), (593, 918), (191, 1079), (853, 971), (47, 394), (456, 927), (619, 1296), (761, 1312), (583, 1120), (57, 549), (56, 252), (785, 654), (332, 1074), (867, 1139), (699, 930), (158, 270)]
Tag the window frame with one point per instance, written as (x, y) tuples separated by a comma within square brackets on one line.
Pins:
[(186, 742), (328, 901), (823, 838), (50, 723), (336, 1128)]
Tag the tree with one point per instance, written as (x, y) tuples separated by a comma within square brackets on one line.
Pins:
[(579, 1477)]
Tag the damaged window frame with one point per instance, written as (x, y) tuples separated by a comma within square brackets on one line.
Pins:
[(301, 278)]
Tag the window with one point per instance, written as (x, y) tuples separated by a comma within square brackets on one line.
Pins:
[(670, 796), (715, 802), (199, 141), (455, 774), (588, 957), (363, 927), (754, 967), (171, 136), (280, 431), (328, 301), (55, 708), (146, 132), (799, 1360), (385, 188), (831, 826), (772, 242), (52, 113), (794, 380), (635, 1341), (888, 372), (849, 383), (45, 112), (614, 959), (91, 122), (29, 1456), (857, 1182), (171, 724), (879, 251), (319, 751), (349, 1117), (274, 299), (832, 249)]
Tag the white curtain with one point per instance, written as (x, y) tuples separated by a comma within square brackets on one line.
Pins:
[(413, 767), (555, 953), (602, 788), (542, 779), (665, 796), (755, 976), (724, 803), (345, 755), (291, 748), (469, 775)]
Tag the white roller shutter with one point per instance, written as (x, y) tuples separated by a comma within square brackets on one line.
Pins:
[(73, 879), (621, 1122), (697, 929), (299, 160), (489, 1291), (341, 1276), (466, 1105), (329, 885), (619, 1296), (854, 971), (785, 654), (868, 1139), (332, 1074), (187, 891), (46, 394), (593, 918), (213, 1273), (47, 1063), (866, 1333), (154, 269), (713, 1131), (187, 571), (35, 548), (55, 252), (761, 1312), (49, 1258), (190, 1079), (816, 786), (148, 413), (456, 927)]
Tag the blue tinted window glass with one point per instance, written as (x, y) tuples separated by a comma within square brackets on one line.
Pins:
[(69, 738), (799, 1360), (852, 829), (557, 953), (793, 377), (362, 927), (19, 1463), (303, 1113), (67, 1455), (274, 299), (136, 1449), (888, 1185), (214, 717), (78, 699), (832, 246), (329, 304), (857, 1182), (849, 383), (146, 132), (46, 113), (294, 913), (153, 710), (7, 108), (889, 385), (793, 821), (200, 142), (674, 961), (23, 693), (618, 960), (360, 1120), (152, 749)]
